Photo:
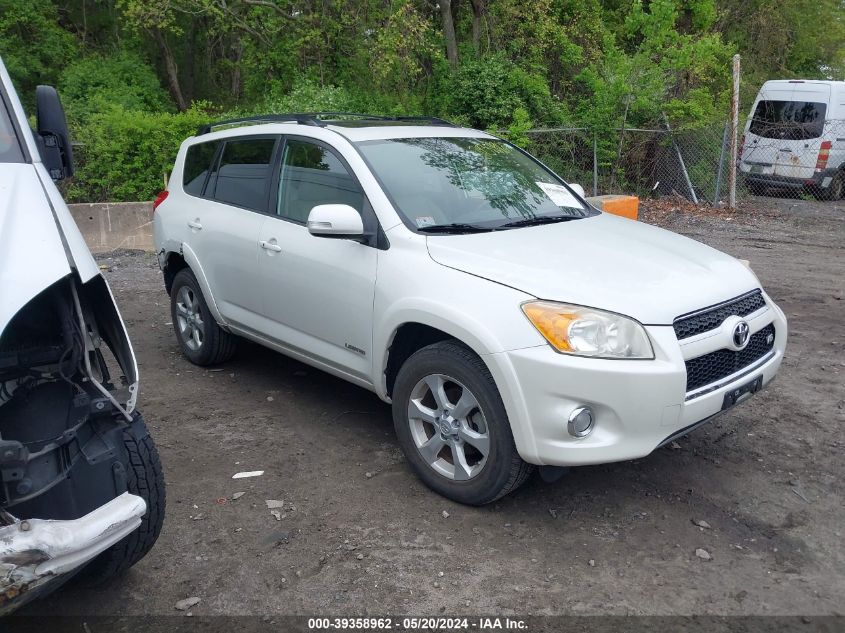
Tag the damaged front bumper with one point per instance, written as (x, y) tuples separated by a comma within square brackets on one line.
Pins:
[(36, 553)]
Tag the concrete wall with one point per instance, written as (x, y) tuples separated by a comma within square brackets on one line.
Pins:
[(111, 226), (108, 226)]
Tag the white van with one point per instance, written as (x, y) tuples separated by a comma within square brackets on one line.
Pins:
[(795, 138)]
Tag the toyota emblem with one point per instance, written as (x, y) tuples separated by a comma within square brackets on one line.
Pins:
[(741, 335)]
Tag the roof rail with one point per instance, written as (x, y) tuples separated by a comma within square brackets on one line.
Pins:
[(315, 119)]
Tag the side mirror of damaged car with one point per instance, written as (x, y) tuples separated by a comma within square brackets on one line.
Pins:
[(339, 221), (52, 133), (578, 189)]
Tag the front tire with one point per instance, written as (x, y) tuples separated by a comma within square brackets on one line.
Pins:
[(452, 425), (200, 338), (145, 478)]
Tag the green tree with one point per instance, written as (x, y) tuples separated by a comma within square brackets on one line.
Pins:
[(97, 83), (33, 44)]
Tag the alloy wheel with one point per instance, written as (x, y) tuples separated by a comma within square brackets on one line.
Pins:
[(448, 427), (189, 318)]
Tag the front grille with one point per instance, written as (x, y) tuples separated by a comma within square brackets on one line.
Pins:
[(711, 319), (724, 362)]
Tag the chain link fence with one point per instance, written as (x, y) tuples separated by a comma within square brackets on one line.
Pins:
[(695, 163)]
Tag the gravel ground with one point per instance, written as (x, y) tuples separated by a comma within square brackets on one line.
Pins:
[(760, 489)]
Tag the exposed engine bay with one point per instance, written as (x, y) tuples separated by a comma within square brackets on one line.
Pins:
[(62, 411), (68, 385)]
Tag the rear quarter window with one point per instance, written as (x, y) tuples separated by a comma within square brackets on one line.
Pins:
[(197, 164), (243, 176)]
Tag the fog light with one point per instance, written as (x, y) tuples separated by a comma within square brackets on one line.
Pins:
[(581, 422)]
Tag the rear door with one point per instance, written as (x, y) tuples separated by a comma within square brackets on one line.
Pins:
[(225, 223), (787, 130)]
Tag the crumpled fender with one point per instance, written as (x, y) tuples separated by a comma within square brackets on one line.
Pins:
[(41, 244), (32, 256)]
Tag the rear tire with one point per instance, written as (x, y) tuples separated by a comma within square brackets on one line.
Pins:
[(144, 477), (836, 190), (200, 338), (459, 443)]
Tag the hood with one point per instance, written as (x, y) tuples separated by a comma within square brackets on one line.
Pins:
[(604, 262), (32, 255)]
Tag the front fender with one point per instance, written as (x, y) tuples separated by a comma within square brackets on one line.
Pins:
[(488, 326)]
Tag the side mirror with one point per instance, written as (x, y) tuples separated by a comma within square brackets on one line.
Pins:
[(53, 136), (335, 220), (578, 189)]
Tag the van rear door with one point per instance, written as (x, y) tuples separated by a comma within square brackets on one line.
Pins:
[(786, 130)]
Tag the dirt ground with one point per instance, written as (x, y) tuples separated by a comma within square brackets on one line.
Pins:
[(358, 534)]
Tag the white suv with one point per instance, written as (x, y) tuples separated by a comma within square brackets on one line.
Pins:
[(509, 322)]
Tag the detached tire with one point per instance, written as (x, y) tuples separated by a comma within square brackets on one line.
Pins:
[(144, 477), (200, 338), (452, 425)]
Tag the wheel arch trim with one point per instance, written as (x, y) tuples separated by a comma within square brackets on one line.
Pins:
[(478, 338), (193, 263)]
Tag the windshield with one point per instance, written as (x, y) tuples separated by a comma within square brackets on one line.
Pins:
[(10, 149), (789, 120), (468, 183)]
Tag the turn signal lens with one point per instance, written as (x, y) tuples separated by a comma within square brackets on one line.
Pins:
[(584, 331)]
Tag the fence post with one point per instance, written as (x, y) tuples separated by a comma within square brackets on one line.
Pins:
[(718, 195), (734, 134), (595, 165), (683, 165)]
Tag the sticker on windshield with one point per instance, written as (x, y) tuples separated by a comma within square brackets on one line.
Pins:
[(424, 220), (559, 195)]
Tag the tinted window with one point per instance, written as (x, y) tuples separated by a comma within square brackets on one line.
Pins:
[(313, 175), (197, 163), (243, 175), (10, 149), (789, 120)]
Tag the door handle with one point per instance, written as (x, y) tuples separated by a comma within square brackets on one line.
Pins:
[(195, 224), (270, 246)]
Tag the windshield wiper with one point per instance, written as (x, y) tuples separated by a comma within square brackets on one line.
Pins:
[(454, 227), (543, 219)]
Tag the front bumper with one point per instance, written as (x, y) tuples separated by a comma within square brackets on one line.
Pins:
[(638, 405), (35, 554)]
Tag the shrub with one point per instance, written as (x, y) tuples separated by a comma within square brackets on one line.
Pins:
[(308, 95), (487, 92), (126, 155)]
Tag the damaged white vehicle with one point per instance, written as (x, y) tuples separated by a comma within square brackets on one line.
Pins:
[(81, 486)]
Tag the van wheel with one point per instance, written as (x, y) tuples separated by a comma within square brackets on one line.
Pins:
[(201, 340), (452, 425), (836, 190), (144, 477)]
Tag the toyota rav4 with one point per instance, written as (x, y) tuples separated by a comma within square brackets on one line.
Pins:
[(509, 323)]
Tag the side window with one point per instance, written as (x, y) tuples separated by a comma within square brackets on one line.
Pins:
[(312, 175), (197, 163), (243, 175)]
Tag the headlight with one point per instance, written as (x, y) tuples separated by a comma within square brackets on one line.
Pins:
[(588, 332)]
